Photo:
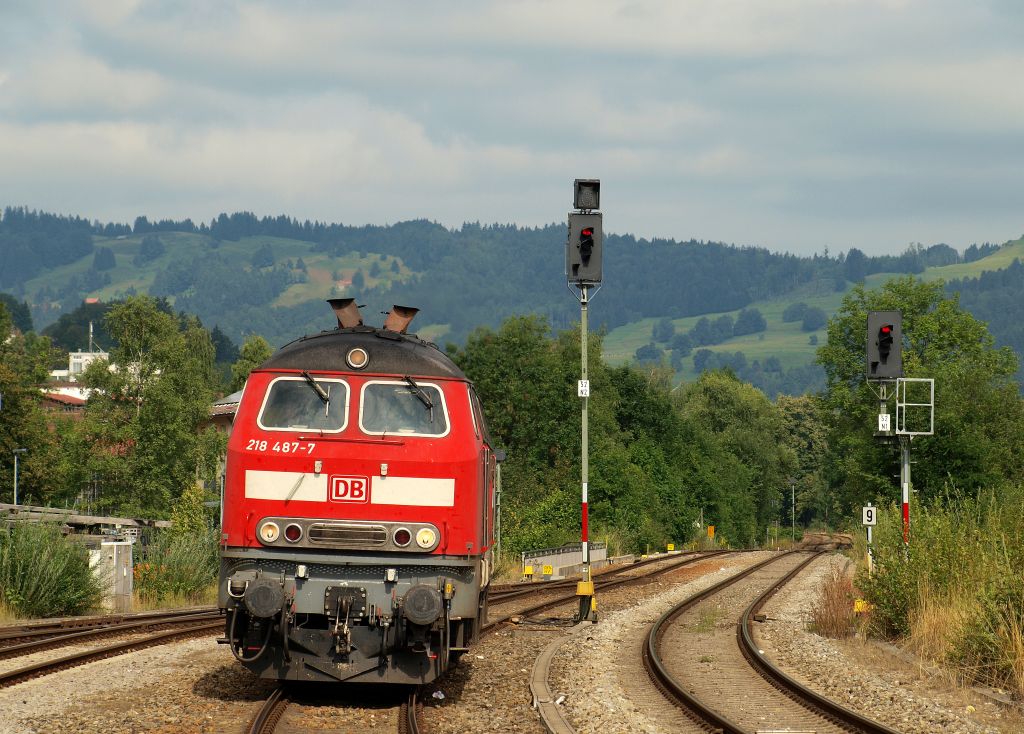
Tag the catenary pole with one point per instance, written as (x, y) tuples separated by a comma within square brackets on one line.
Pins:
[(792, 502), (16, 452)]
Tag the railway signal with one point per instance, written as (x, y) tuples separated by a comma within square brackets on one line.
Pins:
[(584, 249), (884, 354), (885, 345), (583, 252)]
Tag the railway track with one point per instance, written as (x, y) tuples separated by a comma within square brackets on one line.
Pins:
[(500, 593), (26, 631), (32, 641), (714, 671), (601, 583), (190, 628), (276, 709)]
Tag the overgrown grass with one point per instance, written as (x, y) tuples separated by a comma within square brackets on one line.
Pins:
[(937, 621), (957, 595), (507, 568), (43, 574), (176, 570), (707, 620), (832, 611)]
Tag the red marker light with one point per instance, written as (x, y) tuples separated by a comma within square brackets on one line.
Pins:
[(886, 329), (588, 232)]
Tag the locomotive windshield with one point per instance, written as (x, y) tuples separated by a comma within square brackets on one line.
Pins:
[(409, 407), (298, 403)]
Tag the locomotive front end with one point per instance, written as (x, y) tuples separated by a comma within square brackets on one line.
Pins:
[(357, 512)]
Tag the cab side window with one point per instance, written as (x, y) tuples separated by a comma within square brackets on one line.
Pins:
[(478, 417)]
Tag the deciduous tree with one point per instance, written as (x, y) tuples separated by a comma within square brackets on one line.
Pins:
[(255, 351), (143, 420), (979, 415)]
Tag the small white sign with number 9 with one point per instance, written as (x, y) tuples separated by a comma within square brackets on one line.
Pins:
[(868, 516)]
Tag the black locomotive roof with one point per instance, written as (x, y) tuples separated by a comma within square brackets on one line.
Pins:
[(389, 352)]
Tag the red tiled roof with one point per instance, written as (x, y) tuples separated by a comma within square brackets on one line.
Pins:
[(61, 398)]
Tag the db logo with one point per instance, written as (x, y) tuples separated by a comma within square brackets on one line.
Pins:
[(349, 489)]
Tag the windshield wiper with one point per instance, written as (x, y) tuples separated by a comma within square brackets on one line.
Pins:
[(320, 392), (423, 397)]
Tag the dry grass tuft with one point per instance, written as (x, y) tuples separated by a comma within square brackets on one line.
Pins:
[(7, 615), (832, 612), (507, 569), (1012, 648), (142, 603), (937, 622)]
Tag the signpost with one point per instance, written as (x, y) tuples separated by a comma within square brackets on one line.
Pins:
[(869, 517)]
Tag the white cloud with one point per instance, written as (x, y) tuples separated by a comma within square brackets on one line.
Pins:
[(74, 83), (784, 123)]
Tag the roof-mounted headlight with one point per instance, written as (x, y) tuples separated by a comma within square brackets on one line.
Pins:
[(357, 358)]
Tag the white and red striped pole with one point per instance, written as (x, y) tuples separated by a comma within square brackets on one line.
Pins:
[(585, 588), (586, 544), (905, 485)]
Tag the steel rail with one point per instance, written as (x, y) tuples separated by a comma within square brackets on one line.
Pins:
[(54, 639), (675, 691), (797, 691), (408, 716), (600, 585), (270, 712), (505, 592), (69, 661), (28, 630), (273, 709)]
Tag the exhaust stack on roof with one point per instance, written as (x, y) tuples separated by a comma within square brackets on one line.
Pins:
[(399, 318), (347, 312)]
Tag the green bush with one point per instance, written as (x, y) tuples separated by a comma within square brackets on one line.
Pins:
[(178, 567), (43, 574), (892, 590)]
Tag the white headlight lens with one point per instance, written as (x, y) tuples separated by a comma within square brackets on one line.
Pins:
[(426, 538), (269, 532)]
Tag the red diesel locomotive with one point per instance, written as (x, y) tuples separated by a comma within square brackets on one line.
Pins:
[(358, 509)]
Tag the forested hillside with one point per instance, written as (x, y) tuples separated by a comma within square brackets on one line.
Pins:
[(246, 275), (997, 297)]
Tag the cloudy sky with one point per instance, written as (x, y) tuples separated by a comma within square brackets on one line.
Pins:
[(792, 124)]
